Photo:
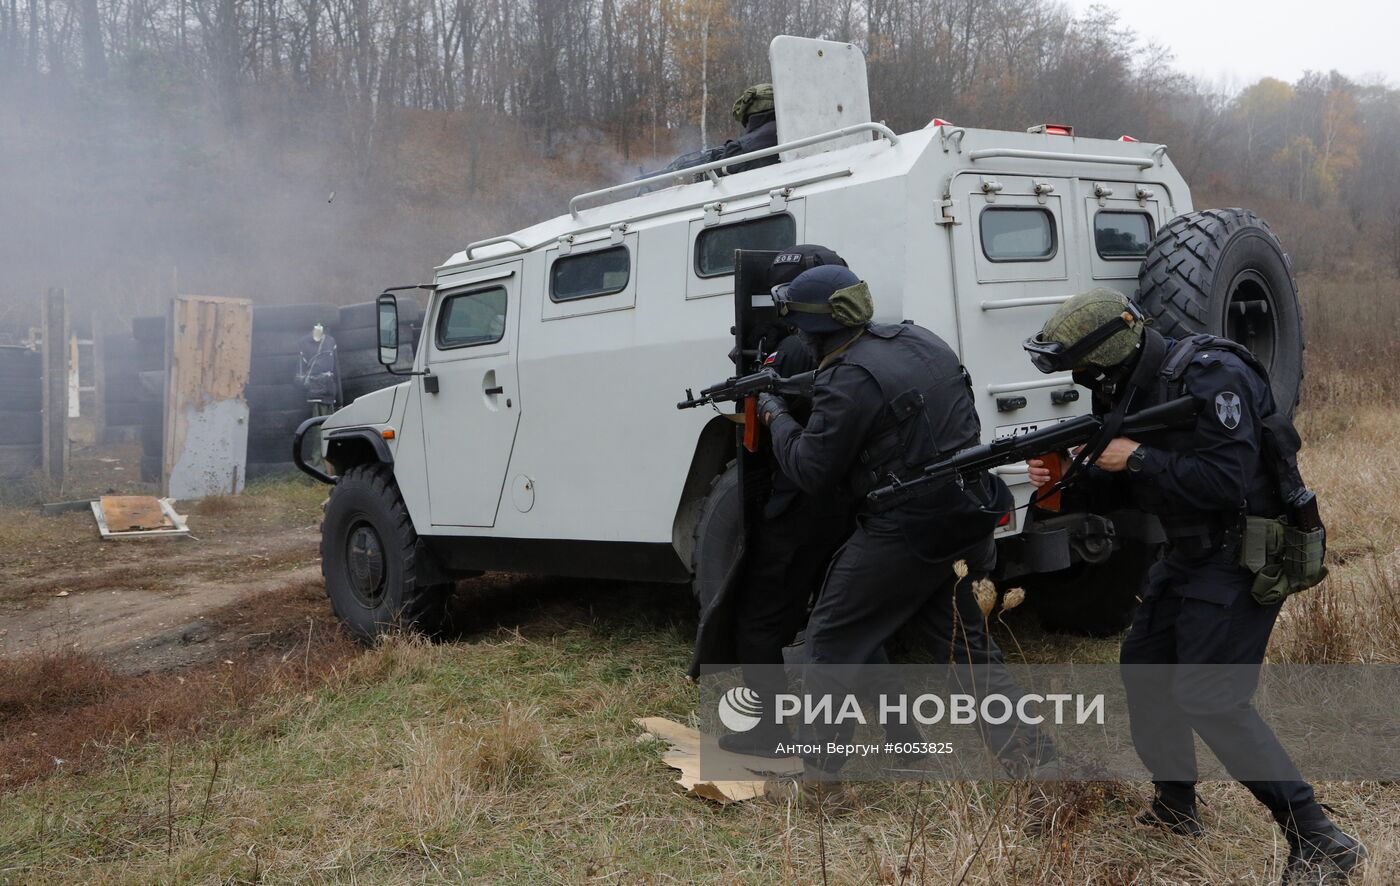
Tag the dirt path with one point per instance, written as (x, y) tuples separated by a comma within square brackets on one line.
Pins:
[(156, 605)]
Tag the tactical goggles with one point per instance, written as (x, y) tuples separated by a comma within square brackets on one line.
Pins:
[(785, 305), (1051, 356)]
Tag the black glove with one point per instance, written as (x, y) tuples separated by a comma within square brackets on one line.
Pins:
[(770, 406)]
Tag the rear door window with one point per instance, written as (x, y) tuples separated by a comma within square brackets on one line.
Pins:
[(1017, 233), (1119, 234)]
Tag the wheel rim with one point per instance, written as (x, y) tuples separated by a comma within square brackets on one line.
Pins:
[(1251, 315), (364, 562)]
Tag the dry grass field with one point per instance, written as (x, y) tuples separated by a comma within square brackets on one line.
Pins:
[(507, 754)]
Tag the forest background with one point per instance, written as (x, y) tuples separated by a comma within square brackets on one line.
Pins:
[(318, 150)]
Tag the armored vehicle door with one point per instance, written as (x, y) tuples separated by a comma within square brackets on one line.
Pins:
[(1014, 260), (470, 398)]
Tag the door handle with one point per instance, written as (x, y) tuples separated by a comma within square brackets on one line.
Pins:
[(491, 392)]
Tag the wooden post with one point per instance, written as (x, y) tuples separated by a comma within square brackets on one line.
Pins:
[(209, 346), (55, 359), (99, 382)]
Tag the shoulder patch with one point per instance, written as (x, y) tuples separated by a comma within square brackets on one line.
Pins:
[(1227, 409)]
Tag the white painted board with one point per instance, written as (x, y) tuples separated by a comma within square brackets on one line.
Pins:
[(818, 86)]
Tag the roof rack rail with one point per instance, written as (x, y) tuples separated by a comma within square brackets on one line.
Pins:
[(708, 169), (1017, 154), (520, 245)]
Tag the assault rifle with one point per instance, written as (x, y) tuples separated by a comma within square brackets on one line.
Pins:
[(1051, 443), (747, 388)]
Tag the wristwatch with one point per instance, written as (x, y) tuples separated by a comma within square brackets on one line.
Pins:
[(1136, 460)]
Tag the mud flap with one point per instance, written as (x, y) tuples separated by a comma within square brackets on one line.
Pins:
[(755, 335)]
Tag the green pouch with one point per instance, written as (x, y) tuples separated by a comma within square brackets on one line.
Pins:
[(1262, 553), (1303, 554)]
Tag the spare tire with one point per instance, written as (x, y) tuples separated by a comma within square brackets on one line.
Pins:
[(1224, 272)]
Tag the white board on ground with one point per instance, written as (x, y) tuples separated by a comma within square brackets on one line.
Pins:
[(818, 86)]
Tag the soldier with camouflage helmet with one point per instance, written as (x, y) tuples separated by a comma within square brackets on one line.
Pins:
[(1199, 604), (755, 111)]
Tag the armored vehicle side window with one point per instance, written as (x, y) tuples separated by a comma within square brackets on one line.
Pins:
[(1017, 233), (590, 273), (714, 247), (472, 318), (1119, 234)]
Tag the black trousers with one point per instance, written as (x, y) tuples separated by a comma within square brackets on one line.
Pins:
[(784, 563), (1180, 623), (879, 584)]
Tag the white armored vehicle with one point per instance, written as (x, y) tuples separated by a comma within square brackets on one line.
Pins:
[(539, 433)]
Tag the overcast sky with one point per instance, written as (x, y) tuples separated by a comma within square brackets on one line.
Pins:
[(1235, 42)]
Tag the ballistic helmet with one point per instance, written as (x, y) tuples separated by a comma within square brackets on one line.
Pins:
[(824, 300), (1099, 328), (802, 257), (754, 100)]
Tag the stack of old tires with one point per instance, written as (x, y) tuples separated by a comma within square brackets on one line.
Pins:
[(277, 401), (357, 338), (21, 411), (124, 359), (147, 389)]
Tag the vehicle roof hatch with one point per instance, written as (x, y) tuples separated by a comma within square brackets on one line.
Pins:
[(818, 86)]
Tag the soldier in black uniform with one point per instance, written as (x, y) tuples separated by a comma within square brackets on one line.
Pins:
[(1197, 607), (888, 399), (788, 548)]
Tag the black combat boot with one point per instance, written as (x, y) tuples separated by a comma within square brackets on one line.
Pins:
[(1319, 854), (761, 741), (1176, 812)]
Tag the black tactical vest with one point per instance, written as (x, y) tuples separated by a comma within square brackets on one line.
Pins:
[(927, 411), (1263, 486)]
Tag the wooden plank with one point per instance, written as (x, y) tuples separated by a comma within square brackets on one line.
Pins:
[(55, 360), (175, 529), (209, 355), (125, 513), (99, 381)]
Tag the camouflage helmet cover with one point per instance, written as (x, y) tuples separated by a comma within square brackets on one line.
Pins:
[(1088, 311), (754, 100)]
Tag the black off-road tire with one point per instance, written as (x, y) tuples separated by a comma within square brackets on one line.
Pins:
[(294, 318), (1205, 268), (119, 346), (277, 398), (718, 534), (279, 370), (124, 413), (256, 470), (369, 559), (19, 460), (365, 315), (1092, 600), (272, 343), (151, 468), (150, 330)]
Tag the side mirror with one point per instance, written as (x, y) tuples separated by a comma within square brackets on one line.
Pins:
[(388, 308)]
